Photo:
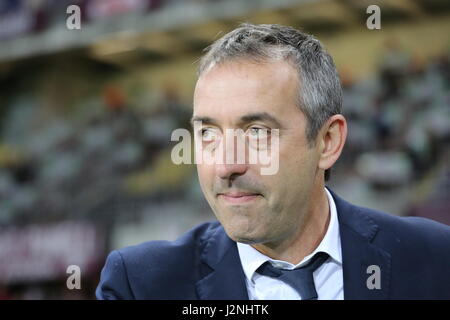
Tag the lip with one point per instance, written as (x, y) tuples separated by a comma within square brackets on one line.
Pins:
[(238, 197)]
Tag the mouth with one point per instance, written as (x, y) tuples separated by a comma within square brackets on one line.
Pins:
[(238, 197)]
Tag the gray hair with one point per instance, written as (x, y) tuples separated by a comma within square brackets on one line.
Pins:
[(320, 91)]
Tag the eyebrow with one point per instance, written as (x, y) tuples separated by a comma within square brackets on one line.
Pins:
[(207, 120), (251, 117), (260, 116)]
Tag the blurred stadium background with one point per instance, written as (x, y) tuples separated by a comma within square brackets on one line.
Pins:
[(86, 117)]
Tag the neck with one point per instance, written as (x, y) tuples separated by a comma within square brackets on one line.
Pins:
[(308, 234)]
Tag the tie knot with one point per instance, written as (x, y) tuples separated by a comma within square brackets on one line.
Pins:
[(301, 279)]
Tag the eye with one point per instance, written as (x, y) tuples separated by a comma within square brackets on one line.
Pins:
[(208, 134), (258, 132)]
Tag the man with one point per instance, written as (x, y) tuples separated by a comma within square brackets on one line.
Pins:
[(284, 235)]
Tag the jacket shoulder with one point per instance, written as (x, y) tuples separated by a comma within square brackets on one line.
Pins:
[(142, 271), (170, 251), (414, 249), (419, 250), (418, 246), (414, 230), (391, 231)]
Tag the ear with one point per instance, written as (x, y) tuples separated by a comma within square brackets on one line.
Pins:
[(332, 139)]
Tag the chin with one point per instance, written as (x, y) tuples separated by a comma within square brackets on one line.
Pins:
[(244, 237), (243, 240), (243, 227)]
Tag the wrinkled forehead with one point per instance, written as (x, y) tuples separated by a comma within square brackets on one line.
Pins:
[(235, 88)]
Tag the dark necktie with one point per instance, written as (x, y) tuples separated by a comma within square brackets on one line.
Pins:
[(301, 279)]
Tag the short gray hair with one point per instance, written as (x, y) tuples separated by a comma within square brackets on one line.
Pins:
[(320, 91)]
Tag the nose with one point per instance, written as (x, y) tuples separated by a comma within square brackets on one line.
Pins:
[(233, 158), (228, 171)]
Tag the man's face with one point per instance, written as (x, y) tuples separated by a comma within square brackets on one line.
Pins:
[(256, 208)]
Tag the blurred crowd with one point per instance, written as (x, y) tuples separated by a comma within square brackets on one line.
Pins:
[(399, 130), (18, 17), (91, 168), (102, 164)]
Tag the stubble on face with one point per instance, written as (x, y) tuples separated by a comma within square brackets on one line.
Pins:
[(228, 92)]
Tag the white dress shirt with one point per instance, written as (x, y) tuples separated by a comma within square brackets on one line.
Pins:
[(328, 277)]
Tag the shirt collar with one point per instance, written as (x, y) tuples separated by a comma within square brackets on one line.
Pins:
[(252, 259)]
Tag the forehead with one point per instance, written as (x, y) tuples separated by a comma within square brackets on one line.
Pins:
[(234, 88)]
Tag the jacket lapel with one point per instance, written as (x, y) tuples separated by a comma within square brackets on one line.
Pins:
[(226, 281), (358, 230)]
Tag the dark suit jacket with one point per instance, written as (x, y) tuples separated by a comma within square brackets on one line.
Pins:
[(413, 255)]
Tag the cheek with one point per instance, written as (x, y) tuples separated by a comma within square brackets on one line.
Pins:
[(205, 176), (297, 165)]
